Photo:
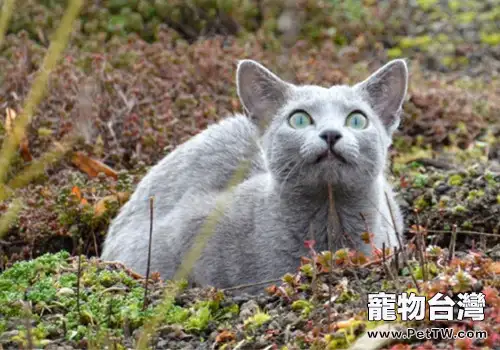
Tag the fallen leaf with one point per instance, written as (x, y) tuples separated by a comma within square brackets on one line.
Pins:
[(78, 194), (10, 118), (272, 289), (495, 268), (155, 276), (225, 336), (100, 206), (25, 151), (46, 192), (367, 237), (92, 167)]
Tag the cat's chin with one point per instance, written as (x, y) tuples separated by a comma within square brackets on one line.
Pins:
[(330, 157)]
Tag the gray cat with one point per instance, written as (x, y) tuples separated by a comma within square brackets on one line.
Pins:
[(295, 141)]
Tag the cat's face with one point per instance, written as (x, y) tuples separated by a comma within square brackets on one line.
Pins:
[(314, 135)]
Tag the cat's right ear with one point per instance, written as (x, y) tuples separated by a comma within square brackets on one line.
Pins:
[(261, 92)]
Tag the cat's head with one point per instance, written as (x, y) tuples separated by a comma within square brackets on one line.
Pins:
[(314, 135)]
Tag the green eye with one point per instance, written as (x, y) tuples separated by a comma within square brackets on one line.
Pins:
[(356, 120), (300, 119)]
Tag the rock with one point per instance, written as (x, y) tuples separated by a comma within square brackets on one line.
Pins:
[(494, 252), (5, 336), (442, 189), (240, 299), (274, 325), (290, 318), (248, 309), (65, 291)]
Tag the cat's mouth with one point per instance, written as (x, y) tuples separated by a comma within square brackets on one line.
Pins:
[(330, 155)]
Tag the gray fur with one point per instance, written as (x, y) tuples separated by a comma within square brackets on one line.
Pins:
[(266, 219)]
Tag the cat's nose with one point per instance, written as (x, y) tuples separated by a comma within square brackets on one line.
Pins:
[(331, 136)]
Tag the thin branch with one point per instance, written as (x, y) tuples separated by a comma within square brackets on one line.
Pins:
[(78, 277), (420, 245), (487, 234), (242, 286), (402, 248), (314, 267), (453, 242), (150, 244)]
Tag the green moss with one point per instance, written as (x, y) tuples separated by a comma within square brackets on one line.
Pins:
[(307, 270), (455, 180), (109, 300), (467, 225), (492, 39), (303, 305), (454, 5), (459, 209), (199, 320), (452, 61), (475, 194), (347, 296), (466, 17), (443, 201), (257, 320), (395, 52), (421, 203), (490, 178), (421, 42), (420, 180), (442, 38), (427, 4)]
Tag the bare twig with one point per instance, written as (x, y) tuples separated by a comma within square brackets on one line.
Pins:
[(96, 249), (242, 286), (314, 271), (387, 266), (420, 244), (402, 248), (150, 244), (486, 234), (396, 259), (110, 311), (78, 277), (453, 242)]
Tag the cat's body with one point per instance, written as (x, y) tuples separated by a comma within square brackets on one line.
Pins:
[(262, 223)]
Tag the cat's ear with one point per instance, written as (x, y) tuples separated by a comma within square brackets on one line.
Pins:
[(385, 90), (261, 92)]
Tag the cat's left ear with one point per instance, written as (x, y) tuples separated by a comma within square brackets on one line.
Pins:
[(385, 91)]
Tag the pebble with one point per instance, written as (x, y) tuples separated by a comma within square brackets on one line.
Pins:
[(442, 189), (5, 336), (290, 318), (65, 291), (248, 309)]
